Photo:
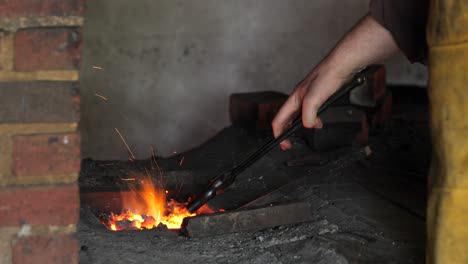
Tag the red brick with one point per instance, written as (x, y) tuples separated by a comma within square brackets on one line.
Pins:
[(36, 155), (267, 112), (384, 112), (378, 82), (255, 110), (16, 8), (48, 49), (43, 249), (39, 205), (42, 102), (362, 138)]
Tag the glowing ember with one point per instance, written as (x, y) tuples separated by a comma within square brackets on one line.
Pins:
[(147, 208)]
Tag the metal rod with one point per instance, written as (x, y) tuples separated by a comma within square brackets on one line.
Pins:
[(296, 125)]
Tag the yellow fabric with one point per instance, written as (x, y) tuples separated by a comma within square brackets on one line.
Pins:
[(447, 224)]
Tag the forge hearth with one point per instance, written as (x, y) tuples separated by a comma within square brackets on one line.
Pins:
[(132, 210), (361, 208), (100, 206), (206, 222)]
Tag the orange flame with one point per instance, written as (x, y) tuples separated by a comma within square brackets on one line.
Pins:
[(147, 208)]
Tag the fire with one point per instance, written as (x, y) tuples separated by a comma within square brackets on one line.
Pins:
[(147, 208)]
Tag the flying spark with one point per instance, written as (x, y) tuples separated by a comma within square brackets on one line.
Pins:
[(127, 179), (101, 96), (123, 140)]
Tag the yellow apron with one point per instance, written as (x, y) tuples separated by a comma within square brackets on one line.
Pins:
[(447, 222)]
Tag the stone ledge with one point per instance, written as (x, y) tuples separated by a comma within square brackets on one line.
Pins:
[(13, 24), (10, 180), (39, 76), (37, 128)]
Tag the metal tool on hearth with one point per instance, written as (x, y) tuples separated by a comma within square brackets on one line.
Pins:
[(361, 95)]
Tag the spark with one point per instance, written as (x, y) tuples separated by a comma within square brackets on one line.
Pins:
[(106, 164), (181, 161), (123, 140), (147, 173), (153, 157), (97, 67), (101, 96), (180, 188), (127, 179)]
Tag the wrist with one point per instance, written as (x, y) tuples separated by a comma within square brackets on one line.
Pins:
[(336, 68)]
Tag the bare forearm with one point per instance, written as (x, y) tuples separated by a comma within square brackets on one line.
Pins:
[(367, 43)]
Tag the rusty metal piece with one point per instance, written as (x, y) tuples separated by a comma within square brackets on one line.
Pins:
[(247, 220)]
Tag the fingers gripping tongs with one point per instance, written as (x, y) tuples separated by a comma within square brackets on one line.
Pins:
[(222, 181)]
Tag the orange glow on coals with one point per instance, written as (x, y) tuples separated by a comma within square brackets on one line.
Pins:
[(147, 208)]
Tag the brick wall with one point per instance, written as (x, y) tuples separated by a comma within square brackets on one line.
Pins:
[(40, 55)]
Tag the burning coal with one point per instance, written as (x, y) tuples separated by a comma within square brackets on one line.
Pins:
[(147, 207)]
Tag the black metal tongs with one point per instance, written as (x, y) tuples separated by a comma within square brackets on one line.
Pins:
[(227, 178)]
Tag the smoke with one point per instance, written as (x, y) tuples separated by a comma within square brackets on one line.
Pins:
[(169, 66)]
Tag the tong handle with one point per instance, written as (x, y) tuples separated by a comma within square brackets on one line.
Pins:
[(296, 125)]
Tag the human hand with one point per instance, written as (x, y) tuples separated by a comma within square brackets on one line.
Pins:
[(367, 43), (307, 98)]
